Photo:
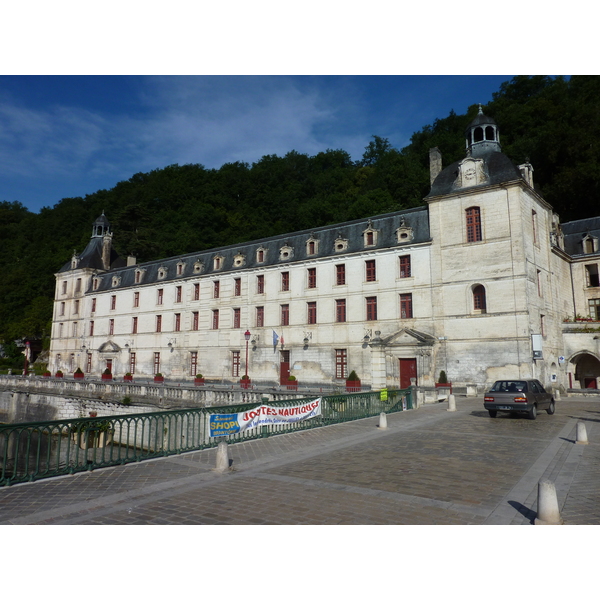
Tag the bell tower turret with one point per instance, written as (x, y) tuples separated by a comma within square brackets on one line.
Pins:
[(482, 136)]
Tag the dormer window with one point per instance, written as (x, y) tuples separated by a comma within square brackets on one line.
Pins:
[(139, 274), (286, 252), (218, 262), (370, 235), (312, 246), (340, 244), (95, 283), (590, 244), (162, 272), (180, 268), (239, 260), (198, 267), (261, 255), (404, 233), (115, 281), (74, 261)]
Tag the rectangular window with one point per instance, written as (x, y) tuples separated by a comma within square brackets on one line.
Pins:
[(136, 299), (196, 291), (78, 286), (156, 366), (60, 330), (178, 293), (260, 284), (72, 362), (473, 216), (132, 363), (91, 328), (75, 329), (285, 281), (235, 363), (311, 313), (64, 287), (138, 276), (134, 325), (312, 278), (260, 316), (594, 305), (113, 302), (216, 289), (96, 284), (111, 327), (370, 272), (405, 266), (261, 256), (193, 363), (61, 312), (177, 321), (195, 319), (311, 248), (542, 325), (538, 275), (215, 319), (93, 304), (591, 274), (88, 363), (76, 308), (340, 311), (341, 364), (340, 274), (285, 314), (406, 311), (159, 296), (371, 308), (158, 323), (534, 226), (237, 318), (237, 287), (179, 269)]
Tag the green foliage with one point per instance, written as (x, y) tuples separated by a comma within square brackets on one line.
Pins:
[(353, 376), (443, 378), (126, 400)]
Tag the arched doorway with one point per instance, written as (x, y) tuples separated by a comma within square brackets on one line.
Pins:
[(587, 370)]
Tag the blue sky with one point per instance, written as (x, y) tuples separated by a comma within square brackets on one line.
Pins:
[(65, 136)]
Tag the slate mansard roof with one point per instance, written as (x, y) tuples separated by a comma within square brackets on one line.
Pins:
[(350, 232), (576, 231)]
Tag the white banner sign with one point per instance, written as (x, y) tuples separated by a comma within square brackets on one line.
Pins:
[(226, 424)]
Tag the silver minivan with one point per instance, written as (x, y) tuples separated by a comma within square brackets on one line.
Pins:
[(520, 396)]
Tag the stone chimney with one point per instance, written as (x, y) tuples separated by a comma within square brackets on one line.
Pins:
[(131, 260), (527, 173), (435, 164), (106, 247)]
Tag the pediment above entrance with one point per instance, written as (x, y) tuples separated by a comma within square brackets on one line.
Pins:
[(109, 347), (408, 337)]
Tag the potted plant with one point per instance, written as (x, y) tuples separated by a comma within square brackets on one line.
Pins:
[(292, 383), (353, 382), (158, 378), (245, 382), (58, 373), (443, 381), (78, 373), (107, 375), (199, 379), (128, 377), (46, 373), (92, 434)]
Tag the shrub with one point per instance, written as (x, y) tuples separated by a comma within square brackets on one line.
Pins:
[(126, 400), (128, 374), (200, 376), (79, 371), (291, 378), (443, 378), (353, 376), (106, 371)]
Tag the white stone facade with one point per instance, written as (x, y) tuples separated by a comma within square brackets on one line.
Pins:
[(468, 284)]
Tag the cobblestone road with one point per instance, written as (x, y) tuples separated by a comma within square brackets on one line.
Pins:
[(430, 466)]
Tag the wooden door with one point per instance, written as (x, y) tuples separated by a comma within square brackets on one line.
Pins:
[(408, 369), (284, 367)]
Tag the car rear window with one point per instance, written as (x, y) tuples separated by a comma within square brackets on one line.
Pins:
[(509, 386)]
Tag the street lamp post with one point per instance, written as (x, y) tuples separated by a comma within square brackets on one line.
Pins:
[(247, 336)]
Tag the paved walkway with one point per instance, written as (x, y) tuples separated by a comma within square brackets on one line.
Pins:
[(430, 466)]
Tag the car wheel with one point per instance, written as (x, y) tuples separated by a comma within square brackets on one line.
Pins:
[(533, 412), (550, 410), (493, 413)]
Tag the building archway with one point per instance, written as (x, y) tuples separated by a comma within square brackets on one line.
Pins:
[(586, 370)]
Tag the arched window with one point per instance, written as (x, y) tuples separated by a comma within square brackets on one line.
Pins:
[(473, 217), (479, 302)]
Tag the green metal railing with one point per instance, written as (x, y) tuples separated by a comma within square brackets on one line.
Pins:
[(31, 451)]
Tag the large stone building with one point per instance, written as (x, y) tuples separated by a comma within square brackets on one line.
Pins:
[(483, 282)]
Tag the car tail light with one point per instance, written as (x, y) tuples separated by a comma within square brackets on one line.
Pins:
[(488, 399), (521, 398)]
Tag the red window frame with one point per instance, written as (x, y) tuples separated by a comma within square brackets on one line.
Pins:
[(91, 328), (111, 327), (260, 316), (237, 318), (479, 300), (113, 302), (341, 364), (237, 287), (195, 320), (312, 277), (285, 314), (340, 274), (177, 321), (235, 363), (178, 294), (134, 325), (132, 363), (473, 217), (193, 363), (196, 291), (93, 305), (156, 365), (136, 299), (215, 318), (159, 296), (311, 313), (340, 311), (88, 363), (285, 281), (260, 284), (405, 270), (406, 308), (370, 270), (371, 305), (158, 323), (216, 289)]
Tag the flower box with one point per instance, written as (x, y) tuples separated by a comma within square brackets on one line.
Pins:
[(246, 383), (107, 376), (199, 381), (127, 377), (292, 385), (46, 374), (78, 375), (58, 374), (444, 385), (159, 379), (353, 385)]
